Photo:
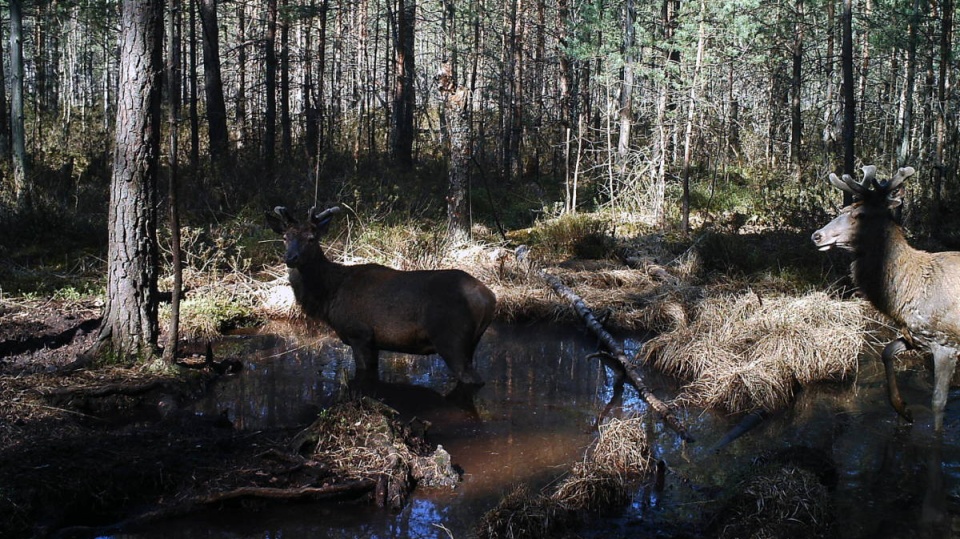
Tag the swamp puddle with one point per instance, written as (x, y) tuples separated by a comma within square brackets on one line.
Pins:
[(536, 414)]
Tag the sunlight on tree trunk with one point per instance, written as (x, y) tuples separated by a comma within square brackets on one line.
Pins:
[(129, 325)]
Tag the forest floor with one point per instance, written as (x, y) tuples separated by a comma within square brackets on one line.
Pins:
[(88, 449), (83, 450)]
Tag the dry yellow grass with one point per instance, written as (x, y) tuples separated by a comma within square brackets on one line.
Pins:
[(618, 460), (742, 353)]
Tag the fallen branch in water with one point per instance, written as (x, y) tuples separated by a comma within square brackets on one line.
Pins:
[(613, 348), (353, 488)]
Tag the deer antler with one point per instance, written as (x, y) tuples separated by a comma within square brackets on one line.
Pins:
[(285, 214), (897, 179), (848, 184), (862, 188), (322, 217)]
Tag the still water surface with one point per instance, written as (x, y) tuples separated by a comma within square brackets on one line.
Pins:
[(536, 417)]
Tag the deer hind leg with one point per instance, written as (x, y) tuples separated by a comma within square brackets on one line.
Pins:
[(459, 358), (944, 363), (893, 391)]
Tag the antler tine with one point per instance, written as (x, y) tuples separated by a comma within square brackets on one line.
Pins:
[(283, 212), (902, 174), (869, 176), (325, 214), (847, 184)]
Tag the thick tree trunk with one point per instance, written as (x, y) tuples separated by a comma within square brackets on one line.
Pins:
[(213, 83), (455, 99), (401, 136), (130, 316)]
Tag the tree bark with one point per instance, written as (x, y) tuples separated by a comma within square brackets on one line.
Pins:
[(270, 66), (626, 81), (796, 83), (173, 170), (18, 135), (849, 95), (906, 123), (130, 316), (401, 137), (286, 131), (213, 83), (455, 99), (691, 116)]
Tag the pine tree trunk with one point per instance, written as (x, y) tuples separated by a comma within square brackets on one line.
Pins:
[(129, 325), (849, 94), (213, 83), (270, 66), (18, 138), (401, 139)]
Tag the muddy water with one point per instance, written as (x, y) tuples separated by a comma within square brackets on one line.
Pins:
[(534, 418)]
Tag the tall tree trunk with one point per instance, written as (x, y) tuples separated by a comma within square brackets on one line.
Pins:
[(4, 112), (941, 165), (241, 108), (401, 138), (849, 94), (456, 127), (691, 115), (286, 131), (194, 96), (18, 139), (270, 65), (626, 80), (213, 83), (173, 170), (796, 131), (322, 77), (129, 324), (906, 124), (830, 133)]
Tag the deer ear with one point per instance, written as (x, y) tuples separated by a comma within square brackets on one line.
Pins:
[(275, 223)]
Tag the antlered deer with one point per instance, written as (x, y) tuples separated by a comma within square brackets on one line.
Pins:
[(920, 291), (373, 307)]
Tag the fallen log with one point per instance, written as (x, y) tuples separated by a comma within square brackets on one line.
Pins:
[(613, 348)]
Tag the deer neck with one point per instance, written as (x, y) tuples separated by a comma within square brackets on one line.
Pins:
[(883, 266), (315, 281)]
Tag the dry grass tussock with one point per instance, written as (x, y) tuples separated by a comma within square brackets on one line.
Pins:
[(617, 461), (743, 352), (363, 439), (788, 502)]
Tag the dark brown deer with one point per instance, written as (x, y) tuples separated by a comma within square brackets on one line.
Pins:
[(920, 291), (373, 307)]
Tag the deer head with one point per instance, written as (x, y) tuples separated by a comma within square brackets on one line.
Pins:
[(873, 203), (301, 240)]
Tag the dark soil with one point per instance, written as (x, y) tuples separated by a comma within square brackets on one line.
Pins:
[(84, 452)]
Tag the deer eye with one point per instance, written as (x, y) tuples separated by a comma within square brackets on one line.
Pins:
[(311, 237)]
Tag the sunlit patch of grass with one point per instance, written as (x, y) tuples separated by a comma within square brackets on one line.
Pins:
[(745, 352)]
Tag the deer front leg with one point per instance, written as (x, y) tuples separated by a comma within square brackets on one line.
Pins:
[(893, 392), (944, 362)]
